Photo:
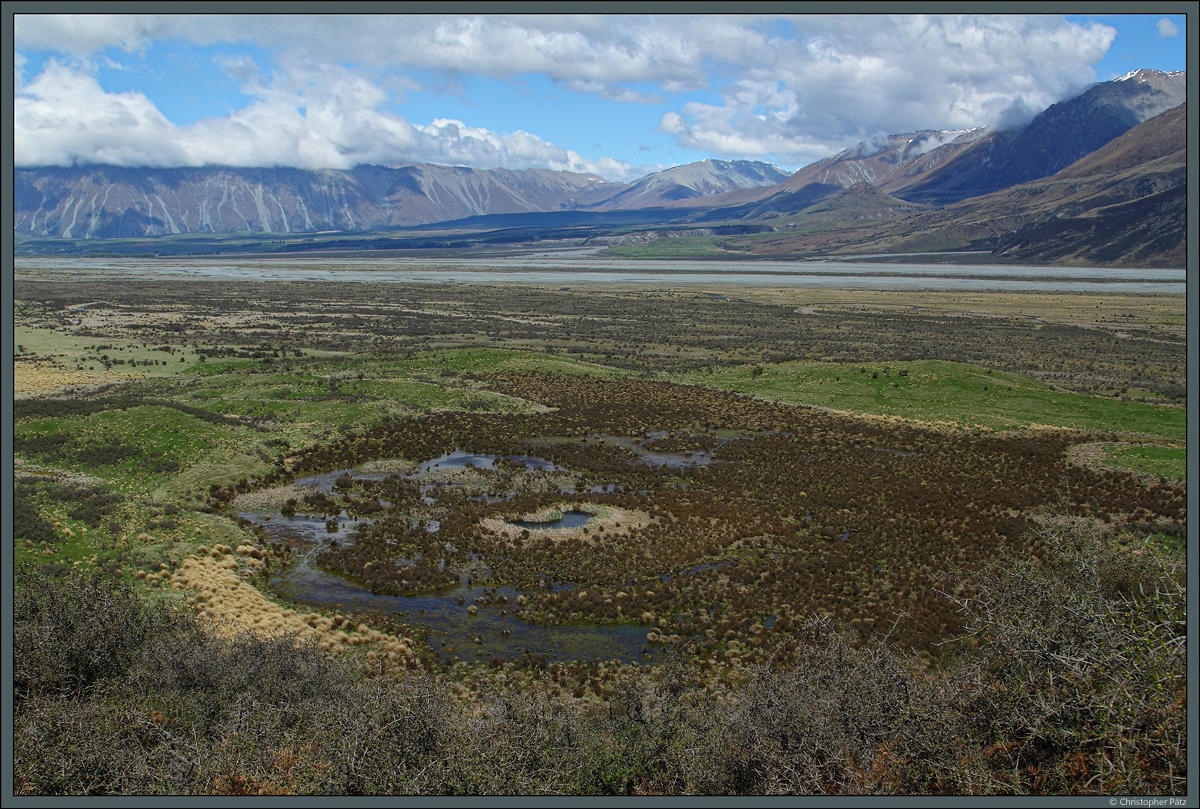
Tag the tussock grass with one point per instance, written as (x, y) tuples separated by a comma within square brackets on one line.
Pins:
[(1070, 680), (614, 521), (270, 499), (233, 606)]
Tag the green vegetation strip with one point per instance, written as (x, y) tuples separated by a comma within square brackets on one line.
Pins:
[(1168, 462), (938, 391)]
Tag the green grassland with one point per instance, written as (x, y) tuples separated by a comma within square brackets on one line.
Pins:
[(672, 247), (269, 406), (942, 392), (165, 440), (169, 439), (114, 479), (73, 351), (1168, 462)]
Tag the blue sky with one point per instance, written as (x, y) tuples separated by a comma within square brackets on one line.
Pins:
[(615, 95)]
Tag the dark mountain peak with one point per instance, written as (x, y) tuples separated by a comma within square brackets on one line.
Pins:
[(1055, 138), (858, 202)]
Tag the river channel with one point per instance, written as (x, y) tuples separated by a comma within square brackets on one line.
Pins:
[(584, 267)]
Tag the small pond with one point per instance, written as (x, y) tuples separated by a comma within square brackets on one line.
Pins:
[(570, 519), (493, 631)]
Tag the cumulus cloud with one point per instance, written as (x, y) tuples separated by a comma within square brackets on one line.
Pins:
[(327, 117), (791, 90), (607, 49), (864, 75), (63, 117), (1166, 28)]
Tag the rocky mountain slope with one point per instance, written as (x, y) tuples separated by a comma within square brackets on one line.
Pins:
[(1053, 140), (110, 202), (97, 202), (861, 202), (942, 167), (1123, 204), (689, 182)]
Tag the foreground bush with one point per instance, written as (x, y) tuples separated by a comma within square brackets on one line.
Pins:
[(1070, 681)]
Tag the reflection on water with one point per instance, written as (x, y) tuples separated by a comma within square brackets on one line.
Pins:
[(460, 459), (637, 447), (570, 519), (454, 632)]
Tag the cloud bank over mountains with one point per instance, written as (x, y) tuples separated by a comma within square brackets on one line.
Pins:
[(329, 91)]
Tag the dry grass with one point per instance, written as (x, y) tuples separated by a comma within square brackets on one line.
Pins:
[(393, 466), (614, 521), (22, 468), (271, 499), (31, 380), (233, 606)]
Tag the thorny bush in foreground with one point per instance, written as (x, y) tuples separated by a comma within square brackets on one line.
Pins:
[(1070, 680)]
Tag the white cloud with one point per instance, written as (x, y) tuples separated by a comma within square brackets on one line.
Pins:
[(848, 78), (609, 49), (242, 68), (19, 61), (1166, 28), (613, 93), (790, 96), (82, 34), (63, 116), (321, 117), (1016, 115)]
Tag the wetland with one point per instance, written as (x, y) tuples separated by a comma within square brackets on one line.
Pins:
[(574, 495)]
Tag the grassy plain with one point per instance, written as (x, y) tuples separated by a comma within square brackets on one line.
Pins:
[(1168, 462), (823, 454), (944, 393)]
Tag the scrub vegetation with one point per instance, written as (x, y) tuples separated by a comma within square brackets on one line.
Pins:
[(865, 549)]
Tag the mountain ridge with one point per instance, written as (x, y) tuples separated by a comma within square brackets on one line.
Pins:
[(1079, 167)]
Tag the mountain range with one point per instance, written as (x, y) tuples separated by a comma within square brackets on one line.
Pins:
[(1124, 203), (1059, 179)]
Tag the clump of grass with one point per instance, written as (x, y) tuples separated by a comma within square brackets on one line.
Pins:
[(1071, 680), (233, 606)]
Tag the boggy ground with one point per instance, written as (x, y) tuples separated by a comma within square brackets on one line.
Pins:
[(805, 512), (886, 530)]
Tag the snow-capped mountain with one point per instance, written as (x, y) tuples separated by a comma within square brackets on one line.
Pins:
[(927, 167), (691, 181)]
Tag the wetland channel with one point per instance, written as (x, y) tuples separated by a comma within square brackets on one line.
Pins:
[(451, 630)]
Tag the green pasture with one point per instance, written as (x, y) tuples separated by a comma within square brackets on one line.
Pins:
[(677, 247), (1167, 462), (167, 453), (939, 391), (70, 351), (301, 400), (151, 437)]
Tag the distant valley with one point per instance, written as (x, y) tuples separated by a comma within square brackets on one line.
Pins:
[(1097, 179)]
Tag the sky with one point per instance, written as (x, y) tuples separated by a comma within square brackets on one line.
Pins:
[(615, 95)]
